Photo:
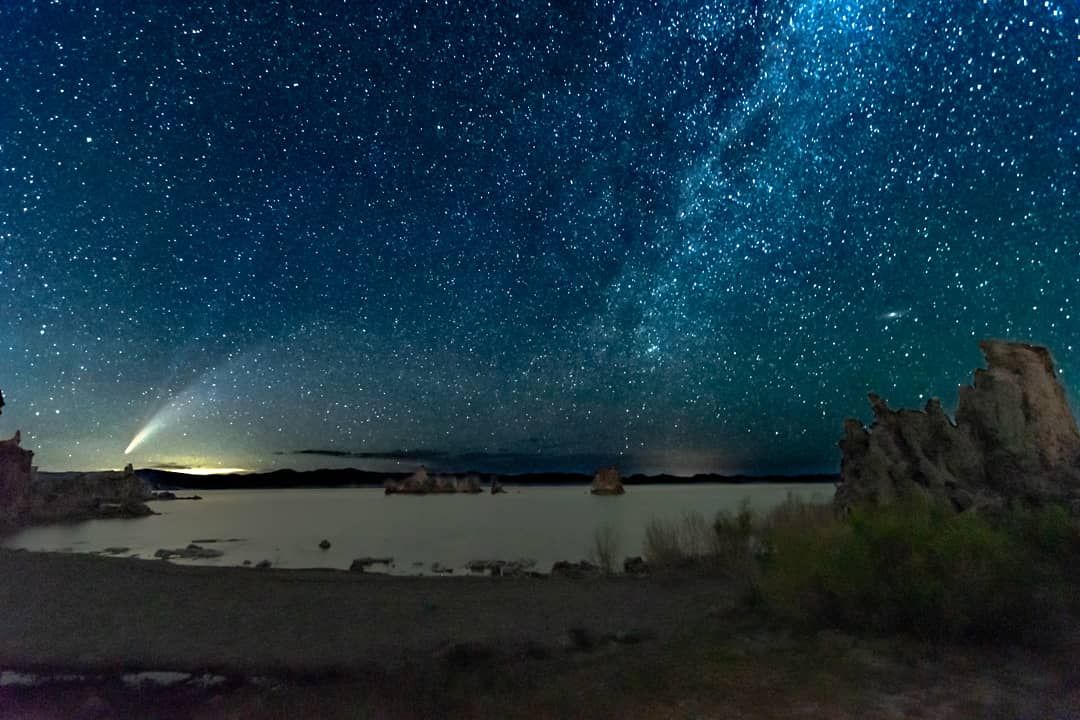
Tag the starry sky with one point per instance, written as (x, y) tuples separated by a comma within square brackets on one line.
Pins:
[(681, 236)]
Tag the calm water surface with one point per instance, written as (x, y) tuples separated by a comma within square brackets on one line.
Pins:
[(546, 524)]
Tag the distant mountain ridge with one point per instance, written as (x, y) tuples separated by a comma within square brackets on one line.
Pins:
[(351, 477)]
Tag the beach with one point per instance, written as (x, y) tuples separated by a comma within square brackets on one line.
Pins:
[(89, 613)]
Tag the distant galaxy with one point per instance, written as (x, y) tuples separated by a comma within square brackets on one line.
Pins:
[(680, 237)]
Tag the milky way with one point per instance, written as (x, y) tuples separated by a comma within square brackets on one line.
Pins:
[(681, 236)]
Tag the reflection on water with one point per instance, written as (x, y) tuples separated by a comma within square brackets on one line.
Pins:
[(546, 524)]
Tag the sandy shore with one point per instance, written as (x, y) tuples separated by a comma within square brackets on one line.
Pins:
[(79, 611)]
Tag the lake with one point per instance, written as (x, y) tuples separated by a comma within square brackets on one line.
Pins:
[(546, 524)]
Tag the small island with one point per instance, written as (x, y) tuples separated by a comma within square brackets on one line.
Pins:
[(607, 481), (423, 483)]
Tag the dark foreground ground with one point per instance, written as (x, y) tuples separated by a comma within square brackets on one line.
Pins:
[(287, 644)]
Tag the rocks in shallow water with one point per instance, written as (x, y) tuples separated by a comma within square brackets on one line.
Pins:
[(607, 482), (115, 550), (362, 564), (324, 544), (170, 495), (502, 568), (191, 552), (1014, 437), (574, 571)]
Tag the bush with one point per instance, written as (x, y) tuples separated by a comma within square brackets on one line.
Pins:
[(681, 543), (921, 569), (605, 549)]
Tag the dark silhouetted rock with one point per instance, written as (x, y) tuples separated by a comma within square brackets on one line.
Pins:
[(582, 639), (465, 655), (263, 564), (16, 476), (496, 487), (324, 545), (191, 552), (574, 571), (607, 482), (362, 564), (62, 497), (169, 495), (635, 566), (1014, 438)]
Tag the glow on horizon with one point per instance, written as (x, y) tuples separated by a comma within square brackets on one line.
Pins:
[(205, 470)]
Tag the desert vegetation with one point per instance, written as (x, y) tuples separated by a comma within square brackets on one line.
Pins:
[(916, 567), (605, 549)]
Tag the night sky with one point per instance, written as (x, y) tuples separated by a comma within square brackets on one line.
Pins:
[(523, 235)]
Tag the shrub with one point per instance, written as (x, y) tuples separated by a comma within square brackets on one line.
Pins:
[(605, 549), (918, 568), (734, 542), (674, 544)]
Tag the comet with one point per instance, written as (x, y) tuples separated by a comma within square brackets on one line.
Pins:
[(147, 430), (166, 415)]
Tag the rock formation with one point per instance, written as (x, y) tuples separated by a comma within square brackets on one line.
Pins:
[(16, 476), (58, 497), (607, 482), (422, 483), (1014, 438), (27, 496)]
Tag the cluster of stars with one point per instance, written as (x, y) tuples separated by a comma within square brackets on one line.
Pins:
[(680, 236)]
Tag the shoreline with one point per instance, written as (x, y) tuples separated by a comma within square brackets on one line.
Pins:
[(275, 643), (353, 477), (89, 613)]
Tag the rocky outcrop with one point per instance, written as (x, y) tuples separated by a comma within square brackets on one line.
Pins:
[(16, 476), (60, 497), (496, 487), (27, 496), (1014, 437), (423, 483), (607, 482)]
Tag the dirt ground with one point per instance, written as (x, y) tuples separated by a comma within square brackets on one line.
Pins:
[(295, 644), (72, 611)]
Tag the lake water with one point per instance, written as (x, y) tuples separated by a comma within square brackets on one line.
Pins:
[(546, 524)]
